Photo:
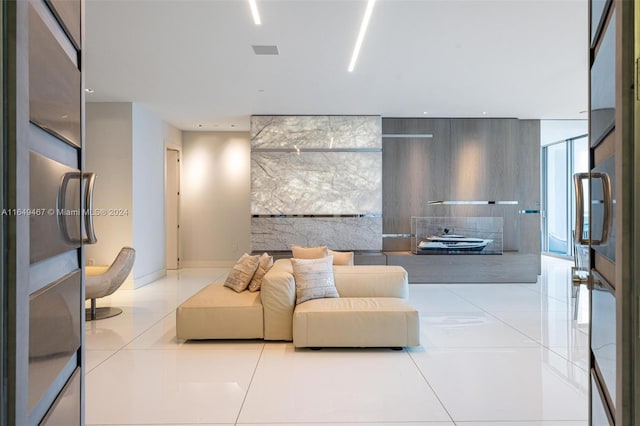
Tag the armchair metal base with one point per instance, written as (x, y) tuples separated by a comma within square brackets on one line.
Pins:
[(93, 313)]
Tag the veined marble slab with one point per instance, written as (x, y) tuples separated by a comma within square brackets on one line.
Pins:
[(317, 132), (316, 183), (338, 233)]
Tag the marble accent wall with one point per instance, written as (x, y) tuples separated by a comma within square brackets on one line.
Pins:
[(339, 233), (317, 131), (316, 180), (316, 183)]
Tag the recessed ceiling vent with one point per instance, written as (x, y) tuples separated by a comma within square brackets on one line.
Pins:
[(265, 50)]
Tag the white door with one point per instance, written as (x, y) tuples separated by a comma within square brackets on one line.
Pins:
[(172, 197)]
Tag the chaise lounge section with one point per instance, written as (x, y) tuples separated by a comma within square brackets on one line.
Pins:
[(217, 312)]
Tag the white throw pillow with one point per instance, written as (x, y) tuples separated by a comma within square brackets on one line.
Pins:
[(266, 262), (342, 257), (240, 276), (314, 278), (308, 252)]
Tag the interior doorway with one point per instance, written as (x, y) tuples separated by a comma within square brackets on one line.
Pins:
[(172, 208)]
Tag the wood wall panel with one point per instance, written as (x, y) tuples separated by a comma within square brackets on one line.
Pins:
[(433, 269), (414, 171), (483, 160), (465, 160), (483, 157), (529, 190)]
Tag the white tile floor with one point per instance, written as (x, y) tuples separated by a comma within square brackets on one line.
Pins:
[(491, 355)]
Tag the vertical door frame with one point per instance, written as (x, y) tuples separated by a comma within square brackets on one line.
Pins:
[(16, 273), (3, 278), (635, 303), (627, 314), (178, 149)]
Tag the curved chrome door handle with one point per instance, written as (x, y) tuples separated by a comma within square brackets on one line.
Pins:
[(61, 206), (607, 219), (88, 213), (579, 222)]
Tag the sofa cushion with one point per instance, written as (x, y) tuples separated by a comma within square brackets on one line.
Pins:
[(242, 272), (217, 312), (344, 258), (308, 252), (314, 278), (278, 294), (266, 262), (356, 322), (278, 291), (371, 281)]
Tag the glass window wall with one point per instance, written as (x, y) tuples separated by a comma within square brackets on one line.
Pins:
[(560, 161)]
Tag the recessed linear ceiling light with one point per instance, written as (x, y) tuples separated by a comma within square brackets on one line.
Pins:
[(254, 12), (363, 30), (265, 50)]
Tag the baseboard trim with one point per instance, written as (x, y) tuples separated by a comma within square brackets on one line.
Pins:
[(149, 278), (207, 263)]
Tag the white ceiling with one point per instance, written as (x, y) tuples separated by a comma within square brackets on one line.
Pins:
[(191, 61)]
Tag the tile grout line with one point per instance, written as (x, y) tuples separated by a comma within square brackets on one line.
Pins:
[(162, 318), (557, 299), (430, 387), (253, 375), (122, 348), (540, 344), (490, 314)]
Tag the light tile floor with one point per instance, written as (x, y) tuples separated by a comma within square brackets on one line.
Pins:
[(491, 355)]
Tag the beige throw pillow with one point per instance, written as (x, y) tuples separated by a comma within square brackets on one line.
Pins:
[(242, 272), (266, 262), (314, 279), (342, 257), (308, 252)]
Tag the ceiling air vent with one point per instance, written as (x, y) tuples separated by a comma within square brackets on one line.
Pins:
[(265, 50)]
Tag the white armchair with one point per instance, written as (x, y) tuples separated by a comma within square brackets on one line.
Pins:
[(104, 284)]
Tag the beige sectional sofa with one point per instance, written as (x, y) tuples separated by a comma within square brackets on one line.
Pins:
[(372, 310)]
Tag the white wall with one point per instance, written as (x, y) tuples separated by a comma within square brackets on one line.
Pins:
[(172, 135), (148, 196), (108, 153), (125, 146), (215, 198), (552, 131)]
